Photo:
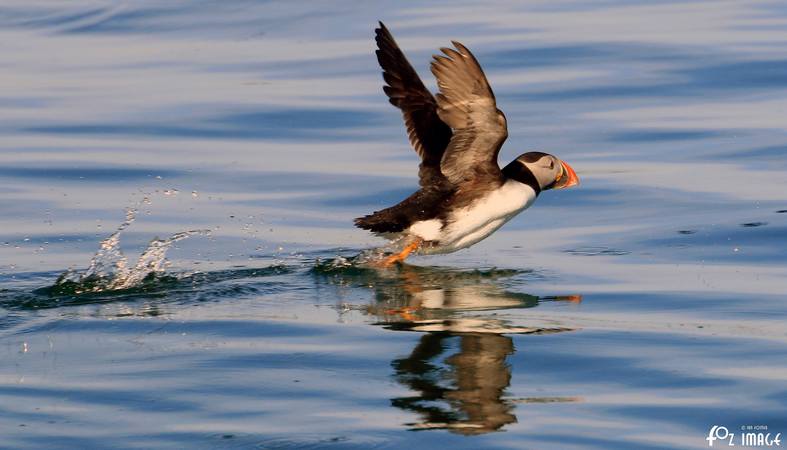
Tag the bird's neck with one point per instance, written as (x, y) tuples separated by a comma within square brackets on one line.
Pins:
[(521, 173)]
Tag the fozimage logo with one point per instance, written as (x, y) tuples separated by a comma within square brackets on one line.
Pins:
[(749, 436)]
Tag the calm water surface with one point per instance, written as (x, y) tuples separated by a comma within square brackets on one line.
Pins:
[(636, 311)]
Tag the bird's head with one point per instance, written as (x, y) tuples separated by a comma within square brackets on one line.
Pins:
[(541, 171)]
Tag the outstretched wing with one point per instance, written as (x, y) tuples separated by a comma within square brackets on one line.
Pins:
[(428, 134), (466, 103)]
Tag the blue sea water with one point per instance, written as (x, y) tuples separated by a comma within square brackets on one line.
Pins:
[(635, 311)]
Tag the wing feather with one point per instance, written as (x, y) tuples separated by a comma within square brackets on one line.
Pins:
[(467, 104), (427, 133)]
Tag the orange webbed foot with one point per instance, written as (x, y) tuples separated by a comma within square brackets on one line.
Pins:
[(401, 256)]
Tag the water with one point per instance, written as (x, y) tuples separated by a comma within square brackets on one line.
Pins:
[(635, 311)]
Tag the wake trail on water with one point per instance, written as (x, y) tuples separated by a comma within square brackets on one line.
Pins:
[(110, 272)]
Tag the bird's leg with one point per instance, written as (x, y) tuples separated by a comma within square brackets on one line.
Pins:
[(407, 313), (401, 256)]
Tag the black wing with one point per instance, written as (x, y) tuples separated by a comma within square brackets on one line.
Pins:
[(428, 134), (466, 103)]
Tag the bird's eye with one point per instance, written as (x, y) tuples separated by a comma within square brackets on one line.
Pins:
[(551, 165)]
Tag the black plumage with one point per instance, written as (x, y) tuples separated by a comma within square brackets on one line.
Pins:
[(428, 134)]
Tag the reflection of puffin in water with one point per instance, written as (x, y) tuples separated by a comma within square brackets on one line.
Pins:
[(465, 395), (458, 370), (448, 300)]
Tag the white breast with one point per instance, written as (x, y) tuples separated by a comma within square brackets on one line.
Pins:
[(473, 223)]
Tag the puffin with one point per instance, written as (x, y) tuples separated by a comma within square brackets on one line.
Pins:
[(463, 196)]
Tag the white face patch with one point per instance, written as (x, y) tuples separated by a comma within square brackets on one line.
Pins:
[(543, 173)]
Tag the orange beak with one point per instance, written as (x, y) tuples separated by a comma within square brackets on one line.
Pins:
[(568, 178)]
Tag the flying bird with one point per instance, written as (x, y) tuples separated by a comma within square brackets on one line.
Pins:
[(464, 196)]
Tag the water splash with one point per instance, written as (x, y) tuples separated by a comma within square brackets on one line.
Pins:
[(366, 259), (109, 269), (109, 258)]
